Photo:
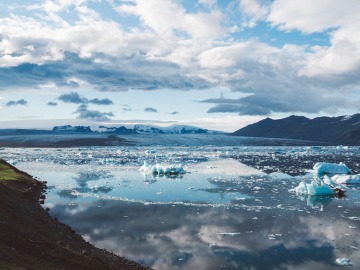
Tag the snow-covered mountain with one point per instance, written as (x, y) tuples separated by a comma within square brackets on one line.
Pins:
[(175, 129), (116, 130), (137, 129)]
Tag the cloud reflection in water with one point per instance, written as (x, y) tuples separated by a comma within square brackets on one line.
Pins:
[(184, 237)]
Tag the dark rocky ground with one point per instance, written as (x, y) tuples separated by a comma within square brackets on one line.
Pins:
[(31, 239)]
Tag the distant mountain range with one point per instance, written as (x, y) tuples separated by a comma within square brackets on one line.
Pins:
[(137, 129), (334, 130), (343, 130)]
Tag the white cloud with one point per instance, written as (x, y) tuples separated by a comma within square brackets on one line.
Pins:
[(342, 57), (169, 18), (208, 2), (313, 16), (180, 48), (26, 40), (253, 11)]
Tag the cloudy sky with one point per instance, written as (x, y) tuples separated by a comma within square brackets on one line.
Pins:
[(215, 64)]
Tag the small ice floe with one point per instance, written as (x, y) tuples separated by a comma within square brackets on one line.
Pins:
[(346, 179), (344, 261), (12, 162), (327, 180), (160, 170), (273, 236), (314, 188), (322, 168), (229, 233), (341, 147)]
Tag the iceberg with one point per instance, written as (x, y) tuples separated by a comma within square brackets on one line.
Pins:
[(300, 189), (346, 179), (341, 147), (157, 169), (327, 180), (318, 188), (322, 168), (344, 261)]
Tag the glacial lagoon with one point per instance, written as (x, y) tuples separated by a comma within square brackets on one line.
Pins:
[(232, 209)]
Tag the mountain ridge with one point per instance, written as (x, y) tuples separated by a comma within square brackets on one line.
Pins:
[(137, 129), (341, 129)]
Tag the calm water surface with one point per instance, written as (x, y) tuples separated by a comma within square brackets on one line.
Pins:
[(220, 215)]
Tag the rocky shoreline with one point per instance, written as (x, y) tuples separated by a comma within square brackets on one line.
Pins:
[(31, 239)]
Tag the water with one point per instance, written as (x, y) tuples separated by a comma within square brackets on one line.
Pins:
[(222, 214)]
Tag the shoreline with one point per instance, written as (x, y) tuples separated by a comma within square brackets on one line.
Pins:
[(31, 239), (149, 140)]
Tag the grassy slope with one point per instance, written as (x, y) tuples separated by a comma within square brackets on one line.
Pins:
[(10, 173)]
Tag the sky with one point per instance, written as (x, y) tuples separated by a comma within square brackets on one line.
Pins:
[(214, 64)]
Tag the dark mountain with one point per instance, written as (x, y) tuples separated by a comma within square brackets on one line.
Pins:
[(117, 130), (336, 130), (75, 129)]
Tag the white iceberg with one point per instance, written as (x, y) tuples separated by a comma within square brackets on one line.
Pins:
[(12, 162), (318, 188), (330, 168), (346, 179), (327, 180), (157, 169), (344, 261)]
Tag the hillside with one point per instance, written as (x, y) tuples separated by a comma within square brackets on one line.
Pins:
[(335, 130), (31, 239)]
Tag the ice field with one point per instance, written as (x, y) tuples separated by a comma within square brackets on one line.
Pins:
[(203, 207)]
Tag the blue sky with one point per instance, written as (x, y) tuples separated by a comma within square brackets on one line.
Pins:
[(215, 64)]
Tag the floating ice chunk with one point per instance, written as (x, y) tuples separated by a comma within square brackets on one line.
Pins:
[(300, 189), (330, 168), (341, 147), (344, 261), (229, 233), (330, 182), (346, 179), (160, 170), (12, 162), (319, 189), (314, 188)]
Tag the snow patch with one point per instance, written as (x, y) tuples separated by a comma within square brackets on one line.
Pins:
[(347, 117)]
